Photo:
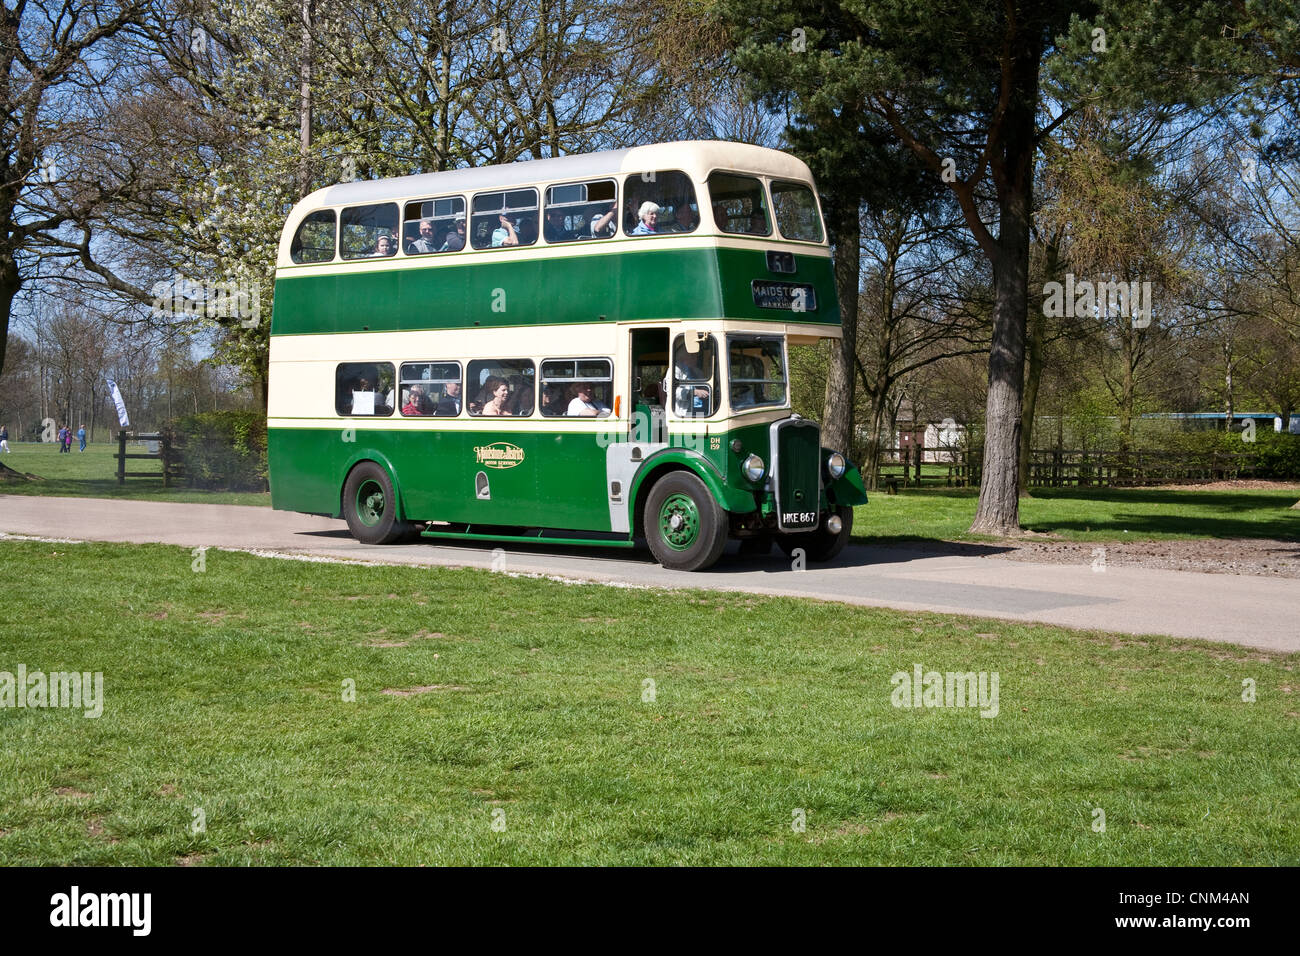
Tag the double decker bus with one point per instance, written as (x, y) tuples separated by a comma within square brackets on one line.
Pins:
[(583, 350)]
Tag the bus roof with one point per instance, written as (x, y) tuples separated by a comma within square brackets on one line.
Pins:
[(694, 157)]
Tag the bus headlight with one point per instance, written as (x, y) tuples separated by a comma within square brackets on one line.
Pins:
[(836, 465), (754, 468)]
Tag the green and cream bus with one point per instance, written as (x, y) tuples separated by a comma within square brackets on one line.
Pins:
[(584, 350)]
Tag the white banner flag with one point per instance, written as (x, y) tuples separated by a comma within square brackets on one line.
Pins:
[(121, 405)]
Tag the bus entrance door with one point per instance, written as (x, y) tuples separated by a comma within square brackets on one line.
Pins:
[(649, 367)]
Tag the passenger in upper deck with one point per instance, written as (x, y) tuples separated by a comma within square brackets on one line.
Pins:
[(455, 240), (504, 235), (721, 216), (425, 242), (604, 225), (687, 218), (649, 216), (554, 230), (383, 247)]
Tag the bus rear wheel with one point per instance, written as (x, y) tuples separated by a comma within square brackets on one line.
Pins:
[(370, 506), (684, 526), (821, 545)]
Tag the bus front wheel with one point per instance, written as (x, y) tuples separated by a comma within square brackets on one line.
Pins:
[(684, 526), (370, 506)]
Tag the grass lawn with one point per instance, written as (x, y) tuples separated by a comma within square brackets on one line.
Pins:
[(223, 692), (1088, 514), (93, 474)]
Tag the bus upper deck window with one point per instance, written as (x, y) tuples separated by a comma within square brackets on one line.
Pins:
[(503, 219), (581, 211), (659, 202), (796, 211), (739, 205), (434, 225), (368, 232), (314, 240)]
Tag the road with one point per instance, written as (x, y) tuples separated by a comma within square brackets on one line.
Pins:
[(1252, 611)]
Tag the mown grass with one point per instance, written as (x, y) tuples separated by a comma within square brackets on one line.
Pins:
[(93, 474), (224, 693), (1088, 514)]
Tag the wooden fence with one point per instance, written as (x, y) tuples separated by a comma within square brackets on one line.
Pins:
[(171, 468), (1060, 468)]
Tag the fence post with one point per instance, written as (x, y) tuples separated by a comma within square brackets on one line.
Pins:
[(919, 450), (121, 456)]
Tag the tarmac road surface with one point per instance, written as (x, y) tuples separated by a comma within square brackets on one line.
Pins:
[(1249, 610)]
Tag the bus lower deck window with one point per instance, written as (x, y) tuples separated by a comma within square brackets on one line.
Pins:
[(364, 388)]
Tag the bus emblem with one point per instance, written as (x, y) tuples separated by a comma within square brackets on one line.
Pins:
[(498, 455)]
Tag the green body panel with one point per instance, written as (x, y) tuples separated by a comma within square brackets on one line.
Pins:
[(612, 286), (849, 489), (739, 500), (560, 481)]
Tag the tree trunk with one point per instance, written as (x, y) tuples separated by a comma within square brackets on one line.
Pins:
[(998, 512), (837, 416), (875, 435), (1037, 323), (10, 283), (305, 58), (1227, 390)]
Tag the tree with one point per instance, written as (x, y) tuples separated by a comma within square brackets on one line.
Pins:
[(922, 302), (54, 165), (960, 87)]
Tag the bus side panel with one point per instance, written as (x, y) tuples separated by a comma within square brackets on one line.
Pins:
[(303, 464), (571, 481), (558, 480), (629, 285)]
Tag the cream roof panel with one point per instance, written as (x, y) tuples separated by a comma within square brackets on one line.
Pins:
[(696, 157)]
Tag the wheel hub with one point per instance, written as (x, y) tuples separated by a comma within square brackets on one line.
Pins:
[(679, 521), (370, 503)]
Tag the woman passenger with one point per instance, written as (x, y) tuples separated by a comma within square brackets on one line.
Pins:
[(649, 216)]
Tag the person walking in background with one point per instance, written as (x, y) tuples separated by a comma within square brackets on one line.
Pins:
[(59, 437), (4, 439), (81, 437), (67, 439)]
